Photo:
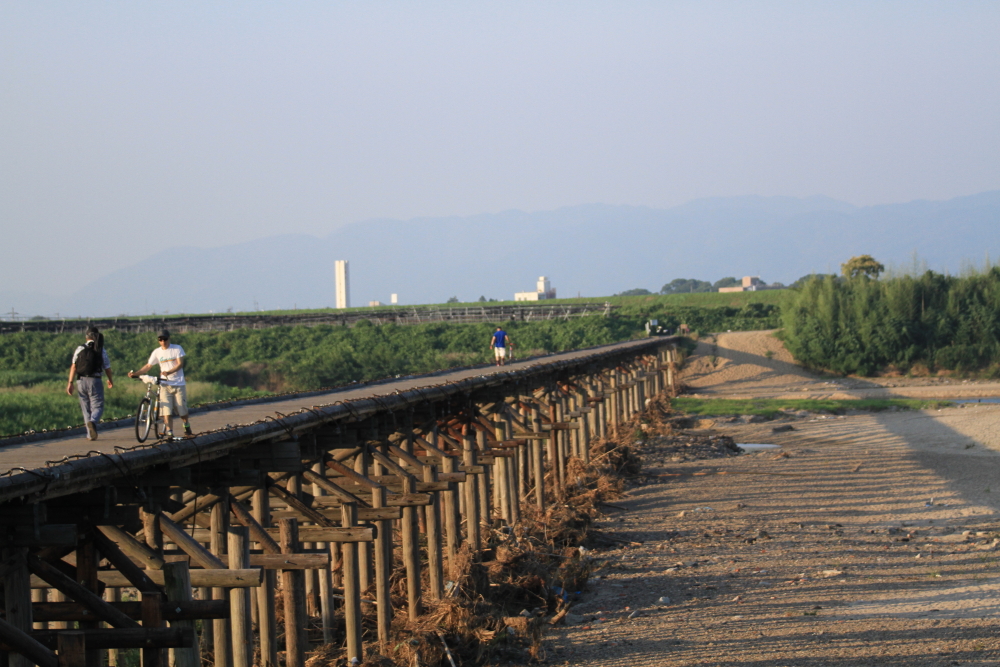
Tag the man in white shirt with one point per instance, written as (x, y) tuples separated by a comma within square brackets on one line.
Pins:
[(173, 389)]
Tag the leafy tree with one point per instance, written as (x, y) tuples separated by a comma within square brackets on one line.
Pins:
[(862, 265), (635, 292), (453, 299), (812, 276), (482, 299), (686, 286), (725, 282)]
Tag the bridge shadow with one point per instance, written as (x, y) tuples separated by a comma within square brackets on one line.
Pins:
[(770, 369), (895, 469)]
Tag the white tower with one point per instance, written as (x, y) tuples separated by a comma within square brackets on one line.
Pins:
[(343, 281)]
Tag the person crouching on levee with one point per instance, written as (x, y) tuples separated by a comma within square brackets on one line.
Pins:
[(173, 389), (499, 342), (89, 360)]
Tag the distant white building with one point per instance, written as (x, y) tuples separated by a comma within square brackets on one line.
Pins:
[(749, 284), (343, 283), (543, 290), (394, 299), (373, 304)]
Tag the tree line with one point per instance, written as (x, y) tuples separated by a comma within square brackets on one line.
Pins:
[(859, 324)]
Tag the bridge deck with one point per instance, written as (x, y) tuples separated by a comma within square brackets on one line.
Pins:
[(216, 429)]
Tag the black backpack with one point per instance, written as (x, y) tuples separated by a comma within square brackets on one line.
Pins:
[(90, 361)]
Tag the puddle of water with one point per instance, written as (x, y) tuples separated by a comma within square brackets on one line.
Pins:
[(987, 399), (756, 448)]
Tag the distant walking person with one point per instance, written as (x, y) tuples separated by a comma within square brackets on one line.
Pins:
[(173, 389), (89, 360), (500, 341)]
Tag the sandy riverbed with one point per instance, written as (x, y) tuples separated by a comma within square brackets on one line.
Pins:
[(864, 540)]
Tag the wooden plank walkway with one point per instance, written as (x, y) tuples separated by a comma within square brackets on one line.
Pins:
[(48, 453)]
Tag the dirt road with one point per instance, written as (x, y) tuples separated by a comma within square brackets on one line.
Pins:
[(861, 540), (749, 364)]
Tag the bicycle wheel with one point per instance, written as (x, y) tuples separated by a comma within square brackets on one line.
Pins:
[(142, 420), (161, 428)]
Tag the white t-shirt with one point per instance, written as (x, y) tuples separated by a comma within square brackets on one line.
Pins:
[(168, 360)]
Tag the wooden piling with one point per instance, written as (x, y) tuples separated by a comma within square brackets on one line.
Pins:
[(293, 590), (217, 545), (177, 584), (239, 598), (17, 598), (383, 570), (352, 587), (471, 493), (324, 583), (267, 624)]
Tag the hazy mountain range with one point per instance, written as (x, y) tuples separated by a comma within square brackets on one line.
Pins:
[(593, 250)]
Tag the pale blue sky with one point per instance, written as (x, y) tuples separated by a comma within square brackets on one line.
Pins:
[(130, 127)]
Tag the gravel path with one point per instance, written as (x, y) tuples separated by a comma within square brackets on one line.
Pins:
[(869, 539)]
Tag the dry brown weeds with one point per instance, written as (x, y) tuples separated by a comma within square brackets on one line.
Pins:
[(495, 609)]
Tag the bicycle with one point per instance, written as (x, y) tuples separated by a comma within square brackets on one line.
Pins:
[(147, 416)]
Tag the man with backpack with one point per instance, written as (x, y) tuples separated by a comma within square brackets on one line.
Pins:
[(89, 360)]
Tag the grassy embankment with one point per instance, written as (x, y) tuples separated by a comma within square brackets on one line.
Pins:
[(775, 407)]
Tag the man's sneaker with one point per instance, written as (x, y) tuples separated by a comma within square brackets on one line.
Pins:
[(168, 436), (91, 431), (187, 429)]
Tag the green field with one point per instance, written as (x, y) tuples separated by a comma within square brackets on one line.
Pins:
[(774, 407), (652, 301), (249, 362)]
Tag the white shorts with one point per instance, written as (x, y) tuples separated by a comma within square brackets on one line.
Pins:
[(499, 352), (173, 400)]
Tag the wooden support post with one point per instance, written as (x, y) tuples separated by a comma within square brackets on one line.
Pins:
[(383, 570), (471, 493), (485, 486), (220, 626), (362, 463), (293, 588), (584, 431), (239, 599), (112, 595), (177, 582), (323, 582), (501, 483), (17, 601), (87, 560), (267, 625), (152, 617), (294, 490), (615, 401), (432, 521), (352, 588), (558, 458), (536, 461), (449, 507), (72, 648), (411, 552)]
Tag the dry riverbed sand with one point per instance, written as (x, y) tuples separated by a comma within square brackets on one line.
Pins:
[(869, 539)]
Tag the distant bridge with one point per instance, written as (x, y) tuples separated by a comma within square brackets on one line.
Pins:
[(377, 316)]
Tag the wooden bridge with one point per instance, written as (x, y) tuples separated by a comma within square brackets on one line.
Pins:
[(134, 544)]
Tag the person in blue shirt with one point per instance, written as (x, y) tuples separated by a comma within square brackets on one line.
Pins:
[(500, 341)]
